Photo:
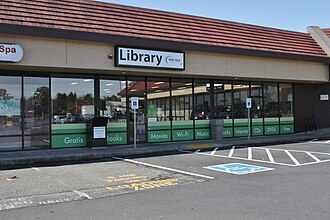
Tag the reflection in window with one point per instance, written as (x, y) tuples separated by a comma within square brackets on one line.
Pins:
[(202, 100), (286, 104), (10, 105), (223, 100), (73, 100), (10, 113), (158, 93), (241, 92), (36, 112), (113, 94), (182, 109), (271, 100), (256, 98), (182, 100)]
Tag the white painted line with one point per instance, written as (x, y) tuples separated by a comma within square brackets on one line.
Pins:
[(215, 150), (327, 142), (313, 152), (270, 156), (82, 194), (164, 168), (318, 142), (249, 153), (312, 156), (231, 151), (323, 161), (239, 158), (292, 157)]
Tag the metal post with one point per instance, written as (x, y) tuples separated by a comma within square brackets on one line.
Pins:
[(134, 128), (249, 126)]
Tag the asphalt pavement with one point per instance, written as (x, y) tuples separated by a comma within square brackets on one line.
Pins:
[(283, 181), (9, 160)]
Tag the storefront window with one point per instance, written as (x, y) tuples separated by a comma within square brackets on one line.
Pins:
[(10, 113), (240, 93), (202, 109), (73, 105), (36, 112), (223, 106), (158, 94), (256, 109), (113, 93), (182, 110), (271, 109), (286, 108)]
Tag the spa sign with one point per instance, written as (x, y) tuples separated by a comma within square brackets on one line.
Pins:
[(133, 57), (11, 53)]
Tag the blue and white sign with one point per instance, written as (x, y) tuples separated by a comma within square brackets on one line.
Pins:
[(134, 102), (238, 168), (248, 103)]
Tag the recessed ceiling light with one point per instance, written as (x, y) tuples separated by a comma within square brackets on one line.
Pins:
[(74, 83)]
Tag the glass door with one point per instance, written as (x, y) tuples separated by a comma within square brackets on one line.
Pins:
[(10, 113), (136, 88)]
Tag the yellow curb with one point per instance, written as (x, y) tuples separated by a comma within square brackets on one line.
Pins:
[(200, 146)]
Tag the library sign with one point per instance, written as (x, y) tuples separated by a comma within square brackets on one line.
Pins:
[(11, 53), (133, 57)]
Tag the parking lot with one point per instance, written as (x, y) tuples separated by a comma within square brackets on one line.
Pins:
[(239, 180)]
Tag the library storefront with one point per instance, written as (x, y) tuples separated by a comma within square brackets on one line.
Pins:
[(60, 68), (50, 111)]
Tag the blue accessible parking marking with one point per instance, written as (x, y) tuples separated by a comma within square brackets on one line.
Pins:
[(238, 168)]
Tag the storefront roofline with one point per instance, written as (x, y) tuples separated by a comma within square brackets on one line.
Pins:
[(150, 43)]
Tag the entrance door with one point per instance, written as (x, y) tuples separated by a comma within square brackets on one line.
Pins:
[(136, 87), (141, 119)]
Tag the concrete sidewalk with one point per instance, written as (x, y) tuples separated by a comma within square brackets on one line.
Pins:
[(76, 155)]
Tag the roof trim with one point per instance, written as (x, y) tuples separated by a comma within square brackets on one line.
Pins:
[(150, 43)]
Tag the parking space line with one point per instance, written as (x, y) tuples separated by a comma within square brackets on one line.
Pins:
[(250, 153), (231, 151), (322, 161), (301, 151), (164, 168), (295, 161), (313, 156), (214, 151), (270, 156), (238, 158)]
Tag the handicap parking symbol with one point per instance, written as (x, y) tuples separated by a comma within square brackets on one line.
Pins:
[(238, 168)]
